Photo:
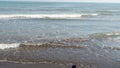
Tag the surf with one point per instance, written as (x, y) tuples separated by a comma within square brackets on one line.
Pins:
[(7, 46), (46, 16)]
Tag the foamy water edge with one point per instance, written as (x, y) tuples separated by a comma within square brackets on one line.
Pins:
[(7, 46)]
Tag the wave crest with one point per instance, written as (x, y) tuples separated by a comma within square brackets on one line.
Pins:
[(106, 34), (47, 16), (6, 46)]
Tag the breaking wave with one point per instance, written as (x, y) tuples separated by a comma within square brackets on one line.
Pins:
[(114, 36), (7, 46), (45, 44), (104, 38), (47, 16)]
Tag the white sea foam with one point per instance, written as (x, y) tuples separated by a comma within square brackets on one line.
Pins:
[(113, 33), (52, 16), (6, 46)]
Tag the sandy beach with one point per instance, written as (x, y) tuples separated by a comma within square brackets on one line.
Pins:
[(41, 65)]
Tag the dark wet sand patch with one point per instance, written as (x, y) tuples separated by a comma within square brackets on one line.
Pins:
[(41, 65)]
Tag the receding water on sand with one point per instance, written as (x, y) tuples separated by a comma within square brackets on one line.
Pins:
[(97, 50)]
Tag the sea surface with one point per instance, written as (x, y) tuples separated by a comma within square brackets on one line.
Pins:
[(85, 34)]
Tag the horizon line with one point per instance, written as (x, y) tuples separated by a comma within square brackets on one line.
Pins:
[(62, 1)]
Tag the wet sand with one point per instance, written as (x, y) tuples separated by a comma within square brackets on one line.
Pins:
[(41, 65)]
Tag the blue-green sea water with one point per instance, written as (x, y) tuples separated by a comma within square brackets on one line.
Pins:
[(60, 32), (21, 21)]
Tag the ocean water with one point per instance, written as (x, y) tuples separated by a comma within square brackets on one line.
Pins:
[(86, 34)]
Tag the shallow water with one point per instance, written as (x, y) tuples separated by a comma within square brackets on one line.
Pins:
[(95, 51), (85, 34)]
